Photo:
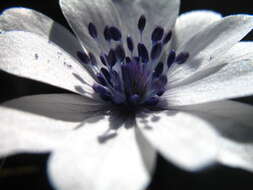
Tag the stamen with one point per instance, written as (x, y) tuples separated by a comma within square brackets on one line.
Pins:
[(116, 80), (157, 34), (107, 34), (103, 92), (171, 58), (130, 44), (92, 30), (93, 59), (115, 33), (111, 58), (182, 58), (141, 23), (152, 101), (84, 58), (143, 53), (128, 60), (167, 37), (158, 69), (156, 51), (103, 59), (101, 79), (106, 74), (120, 53)]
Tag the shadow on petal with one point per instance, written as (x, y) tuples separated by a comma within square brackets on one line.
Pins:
[(228, 128), (66, 107)]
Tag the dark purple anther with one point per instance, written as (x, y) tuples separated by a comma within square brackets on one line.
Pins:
[(182, 58), (141, 23), (160, 92), (128, 60), (157, 34), (152, 101), (158, 69), (107, 34), (171, 58), (103, 59), (134, 99), (130, 44), (156, 51), (92, 30), (103, 92), (106, 74), (84, 58), (167, 37), (111, 58), (101, 79), (143, 53), (115, 33), (136, 59), (163, 80), (92, 59), (116, 80), (120, 52)]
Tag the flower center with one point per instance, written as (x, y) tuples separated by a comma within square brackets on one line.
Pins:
[(131, 75)]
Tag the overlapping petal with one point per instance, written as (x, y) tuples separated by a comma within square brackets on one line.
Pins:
[(158, 13), (211, 43), (233, 122), (121, 161), (191, 23), (31, 56), (230, 110), (186, 140), (79, 13), (23, 19), (233, 79), (26, 132), (66, 107)]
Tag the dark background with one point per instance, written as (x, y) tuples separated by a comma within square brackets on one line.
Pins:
[(27, 171)]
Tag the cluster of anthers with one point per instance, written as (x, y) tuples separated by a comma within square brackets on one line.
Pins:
[(129, 77)]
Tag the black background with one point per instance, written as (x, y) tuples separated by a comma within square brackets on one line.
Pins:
[(28, 171)]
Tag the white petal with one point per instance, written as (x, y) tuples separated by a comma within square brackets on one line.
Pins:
[(158, 13), (236, 154), (80, 13), (67, 107), (26, 132), (233, 79), (211, 43), (184, 139), (31, 56), (84, 162), (227, 109), (191, 23), (235, 134), (23, 19)]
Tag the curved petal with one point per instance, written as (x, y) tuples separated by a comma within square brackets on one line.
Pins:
[(31, 56), (211, 43), (80, 13), (235, 131), (85, 162), (67, 107), (230, 110), (191, 23), (162, 13), (234, 79), (25, 132), (184, 139), (24, 19)]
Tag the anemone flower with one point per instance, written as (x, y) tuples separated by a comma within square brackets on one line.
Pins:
[(143, 81)]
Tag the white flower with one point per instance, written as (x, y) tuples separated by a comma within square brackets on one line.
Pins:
[(106, 136)]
